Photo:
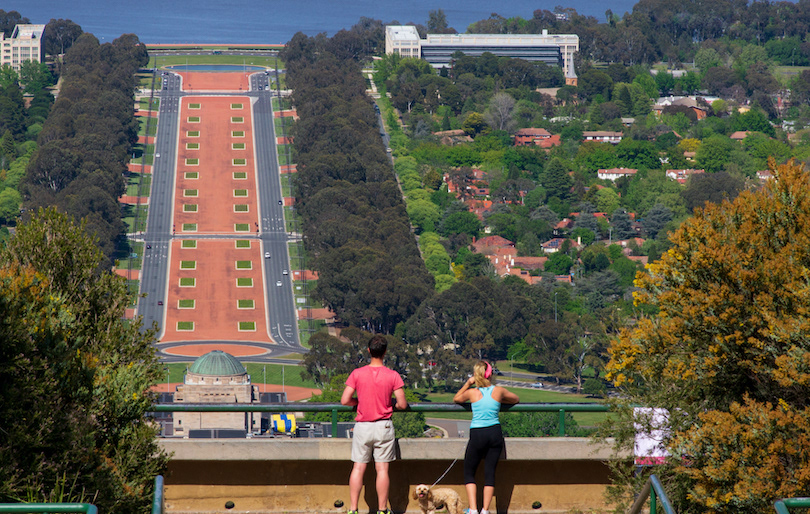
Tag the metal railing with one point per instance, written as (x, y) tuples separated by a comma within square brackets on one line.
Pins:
[(87, 508), (782, 506), (334, 408), (655, 492), (158, 505)]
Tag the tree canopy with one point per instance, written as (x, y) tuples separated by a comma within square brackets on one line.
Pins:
[(727, 354)]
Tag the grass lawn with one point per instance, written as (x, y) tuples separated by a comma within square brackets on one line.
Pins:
[(138, 184), (129, 215), (317, 325), (285, 105), (284, 157), (258, 372), (296, 251), (526, 396), (135, 248), (283, 125), (253, 60)]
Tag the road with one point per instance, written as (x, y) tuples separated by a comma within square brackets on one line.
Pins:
[(282, 317)]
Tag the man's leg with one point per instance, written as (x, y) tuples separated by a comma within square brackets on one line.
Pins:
[(383, 483), (356, 483)]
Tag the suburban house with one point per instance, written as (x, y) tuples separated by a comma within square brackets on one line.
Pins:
[(489, 245), (602, 136), (739, 135), (615, 173), (453, 137), (681, 176), (685, 101)]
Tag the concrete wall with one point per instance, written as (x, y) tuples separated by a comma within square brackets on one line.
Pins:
[(310, 475)]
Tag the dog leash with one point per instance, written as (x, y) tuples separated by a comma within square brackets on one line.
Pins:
[(445, 472)]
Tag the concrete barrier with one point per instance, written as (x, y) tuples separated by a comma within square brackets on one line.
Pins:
[(283, 475)]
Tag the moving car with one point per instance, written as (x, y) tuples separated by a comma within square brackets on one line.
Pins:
[(278, 283), (285, 272), (266, 255)]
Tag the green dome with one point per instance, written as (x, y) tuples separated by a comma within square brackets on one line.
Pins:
[(217, 362)]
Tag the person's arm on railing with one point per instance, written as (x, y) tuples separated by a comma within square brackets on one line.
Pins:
[(348, 397), (401, 402)]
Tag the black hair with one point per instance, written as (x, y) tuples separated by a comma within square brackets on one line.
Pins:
[(377, 346)]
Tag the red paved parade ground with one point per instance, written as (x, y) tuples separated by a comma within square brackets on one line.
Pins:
[(209, 81), (216, 180), (205, 301), (216, 285)]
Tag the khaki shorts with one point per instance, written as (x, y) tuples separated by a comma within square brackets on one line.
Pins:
[(375, 437)]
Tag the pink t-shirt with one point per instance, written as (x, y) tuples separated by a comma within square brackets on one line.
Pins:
[(374, 386)]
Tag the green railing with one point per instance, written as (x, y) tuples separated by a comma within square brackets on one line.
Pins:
[(87, 508), (157, 499), (334, 408), (783, 506), (655, 492)]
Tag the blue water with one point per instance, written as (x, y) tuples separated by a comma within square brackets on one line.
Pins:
[(272, 21)]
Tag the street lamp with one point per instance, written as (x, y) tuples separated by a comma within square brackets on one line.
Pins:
[(555, 306), (167, 378)]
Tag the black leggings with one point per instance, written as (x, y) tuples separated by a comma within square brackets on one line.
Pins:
[(485, 444)]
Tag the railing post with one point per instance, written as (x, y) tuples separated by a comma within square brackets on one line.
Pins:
[(334, 422), (653, 502), (561, 424)]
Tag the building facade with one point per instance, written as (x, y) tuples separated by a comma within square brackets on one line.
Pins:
[(437, 49), (216, 377), (25, 44)]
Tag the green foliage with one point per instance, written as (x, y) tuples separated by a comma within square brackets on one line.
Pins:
[(74, 364), (537, 424), (727, 355)]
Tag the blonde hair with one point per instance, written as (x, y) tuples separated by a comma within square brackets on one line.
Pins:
[(479, 370)]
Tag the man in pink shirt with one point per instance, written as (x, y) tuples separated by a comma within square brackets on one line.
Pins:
[(374, 430)]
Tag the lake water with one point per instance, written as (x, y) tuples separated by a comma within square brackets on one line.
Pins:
[(272, 21)]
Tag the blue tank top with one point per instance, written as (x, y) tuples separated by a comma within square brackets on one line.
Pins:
[(485, 411)]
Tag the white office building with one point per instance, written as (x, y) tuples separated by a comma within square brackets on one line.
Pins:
[(25, 44), (437, 49)]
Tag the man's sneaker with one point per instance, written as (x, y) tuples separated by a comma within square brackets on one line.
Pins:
[(386, 511), (352, 512)]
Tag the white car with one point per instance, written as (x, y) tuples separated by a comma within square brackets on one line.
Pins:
[(278, 283), (285, 272), (266, 255)]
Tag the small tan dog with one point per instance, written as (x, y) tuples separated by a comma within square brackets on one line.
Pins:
[(431, 500)]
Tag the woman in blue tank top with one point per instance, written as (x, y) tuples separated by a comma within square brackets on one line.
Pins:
[(486, 439)]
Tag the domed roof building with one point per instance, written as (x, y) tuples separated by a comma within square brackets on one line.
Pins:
[(216, 377)]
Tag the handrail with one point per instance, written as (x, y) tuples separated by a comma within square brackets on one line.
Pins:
[(87, 508), (782, 506), (334, 408), (157, 500), (655, 492)]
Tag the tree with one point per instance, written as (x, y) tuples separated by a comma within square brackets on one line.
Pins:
[(59, 36), (726, 354), (74, 364), (714, 153), (558, 263), (473, 124), (556, 180), (656, 219), (622, 225), (499, 113)]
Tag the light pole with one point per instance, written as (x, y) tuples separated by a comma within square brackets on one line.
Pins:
[(555, 306), (264, 378), (167, 378)]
